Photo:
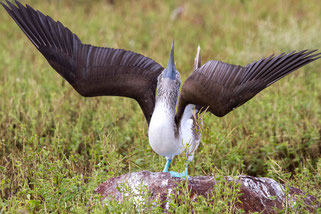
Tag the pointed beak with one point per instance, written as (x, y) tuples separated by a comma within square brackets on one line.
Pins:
[(170, 71)]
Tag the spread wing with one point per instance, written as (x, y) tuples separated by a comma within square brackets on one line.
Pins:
[(223, 87), (92, 71)]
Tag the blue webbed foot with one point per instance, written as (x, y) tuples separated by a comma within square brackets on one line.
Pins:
[(176, 174), (179, 175)]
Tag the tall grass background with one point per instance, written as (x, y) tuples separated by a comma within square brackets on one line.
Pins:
[(56, 146)]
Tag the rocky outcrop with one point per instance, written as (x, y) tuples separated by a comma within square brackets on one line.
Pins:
[(254, 194)]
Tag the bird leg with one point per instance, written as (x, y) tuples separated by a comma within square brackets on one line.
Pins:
[(168, 162)]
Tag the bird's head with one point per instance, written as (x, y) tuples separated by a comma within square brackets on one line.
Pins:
[(170, 73), (169, 80)]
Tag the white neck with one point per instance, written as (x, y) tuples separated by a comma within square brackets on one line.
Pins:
[(162, 107)]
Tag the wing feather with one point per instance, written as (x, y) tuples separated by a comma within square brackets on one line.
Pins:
[(91, 70), (223, 87)]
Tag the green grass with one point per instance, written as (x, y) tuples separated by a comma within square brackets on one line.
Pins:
[(56, 146)]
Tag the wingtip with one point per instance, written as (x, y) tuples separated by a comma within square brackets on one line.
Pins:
[(19, 4), (315, 56), (313, 51), (8, 2), (3, 5), (311, 54), (6, 7), (12, 6)]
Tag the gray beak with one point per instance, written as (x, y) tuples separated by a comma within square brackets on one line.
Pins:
[(170, 71)]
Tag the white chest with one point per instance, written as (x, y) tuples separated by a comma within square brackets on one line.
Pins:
[(161, 132)]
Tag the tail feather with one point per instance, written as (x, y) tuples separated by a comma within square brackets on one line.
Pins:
[(197, 62)]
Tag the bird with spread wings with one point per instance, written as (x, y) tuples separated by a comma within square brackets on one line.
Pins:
[(101, 71)]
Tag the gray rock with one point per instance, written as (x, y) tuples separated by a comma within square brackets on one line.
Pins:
[(256, 194)]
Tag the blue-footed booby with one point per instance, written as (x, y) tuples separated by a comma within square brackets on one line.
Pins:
[(216, 86)]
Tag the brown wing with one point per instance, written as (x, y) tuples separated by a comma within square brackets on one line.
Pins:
[(92, 71), (223, 87)]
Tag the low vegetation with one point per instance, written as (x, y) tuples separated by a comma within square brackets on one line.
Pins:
[(56, 146)]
